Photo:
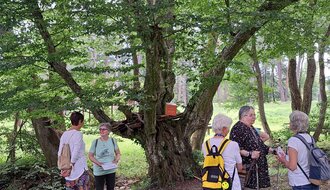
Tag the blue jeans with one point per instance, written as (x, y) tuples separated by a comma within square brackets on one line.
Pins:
[(306, 187)]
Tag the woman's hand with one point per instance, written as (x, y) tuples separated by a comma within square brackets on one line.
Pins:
[(116, 160), (281, 158), (65, 173), (255, 154)]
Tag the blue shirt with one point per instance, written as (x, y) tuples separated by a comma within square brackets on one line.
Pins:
[(104, 153)]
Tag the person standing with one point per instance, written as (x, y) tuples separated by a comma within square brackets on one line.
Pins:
[(77, 177), (104, 151), (298, 153), (231, 154), (253, 150)]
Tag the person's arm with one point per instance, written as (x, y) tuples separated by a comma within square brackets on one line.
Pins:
[(239, 167), (93, 159), (253, 154), (117, 156), (264, 136), (91, 154), (77, 140), (245, 153), (291, 164)]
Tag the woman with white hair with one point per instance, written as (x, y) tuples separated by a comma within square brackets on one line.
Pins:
[(231, 154), (104, 152), (298, 153)]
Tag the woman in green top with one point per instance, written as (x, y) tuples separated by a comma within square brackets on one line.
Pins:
[(105, 154)]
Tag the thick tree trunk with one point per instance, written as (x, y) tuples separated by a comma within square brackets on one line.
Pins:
[(323, 94), (308, 86), (197, 139), (296, 100), (169, 150), (48, 138)]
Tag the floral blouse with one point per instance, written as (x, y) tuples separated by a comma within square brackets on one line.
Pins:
[(249, 139)]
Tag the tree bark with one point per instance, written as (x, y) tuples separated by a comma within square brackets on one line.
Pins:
[(171, 153), (12, 141), (197, 139), (279, 82), (299, 69), (273, 83), (308, 85), (136, 82), (296, 100), (323, 94), (261, 107), (48, 138)]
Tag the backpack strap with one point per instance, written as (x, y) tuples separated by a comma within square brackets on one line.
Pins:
[(302, 139), (207, 144), (96, 145), (232, 179), (223, 145), (113, 142), (303, 171)]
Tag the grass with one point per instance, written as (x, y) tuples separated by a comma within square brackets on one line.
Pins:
[(277, 114)]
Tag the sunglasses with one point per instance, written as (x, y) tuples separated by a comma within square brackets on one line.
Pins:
[(103, 129)]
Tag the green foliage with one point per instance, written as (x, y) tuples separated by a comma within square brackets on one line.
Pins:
[(26, 143), (28, 173), (198, 157), (145, 183), (314, 117)]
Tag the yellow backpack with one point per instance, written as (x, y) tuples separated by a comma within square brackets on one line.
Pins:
[(214, 175)]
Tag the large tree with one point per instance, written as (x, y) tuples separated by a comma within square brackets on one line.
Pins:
[(151, 27)]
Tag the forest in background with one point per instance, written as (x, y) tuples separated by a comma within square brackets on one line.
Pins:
[(122, 61)]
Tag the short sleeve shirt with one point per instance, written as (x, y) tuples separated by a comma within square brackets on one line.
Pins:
[(104, 152), (231, 156), (77, 148), (297, 177)]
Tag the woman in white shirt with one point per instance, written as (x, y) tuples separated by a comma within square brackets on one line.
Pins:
[(231, 155), (77, 177), (298, 153)]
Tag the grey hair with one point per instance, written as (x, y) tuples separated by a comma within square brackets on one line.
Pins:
[(244, 110), (220, 121), (107, 125), (299, 121)]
